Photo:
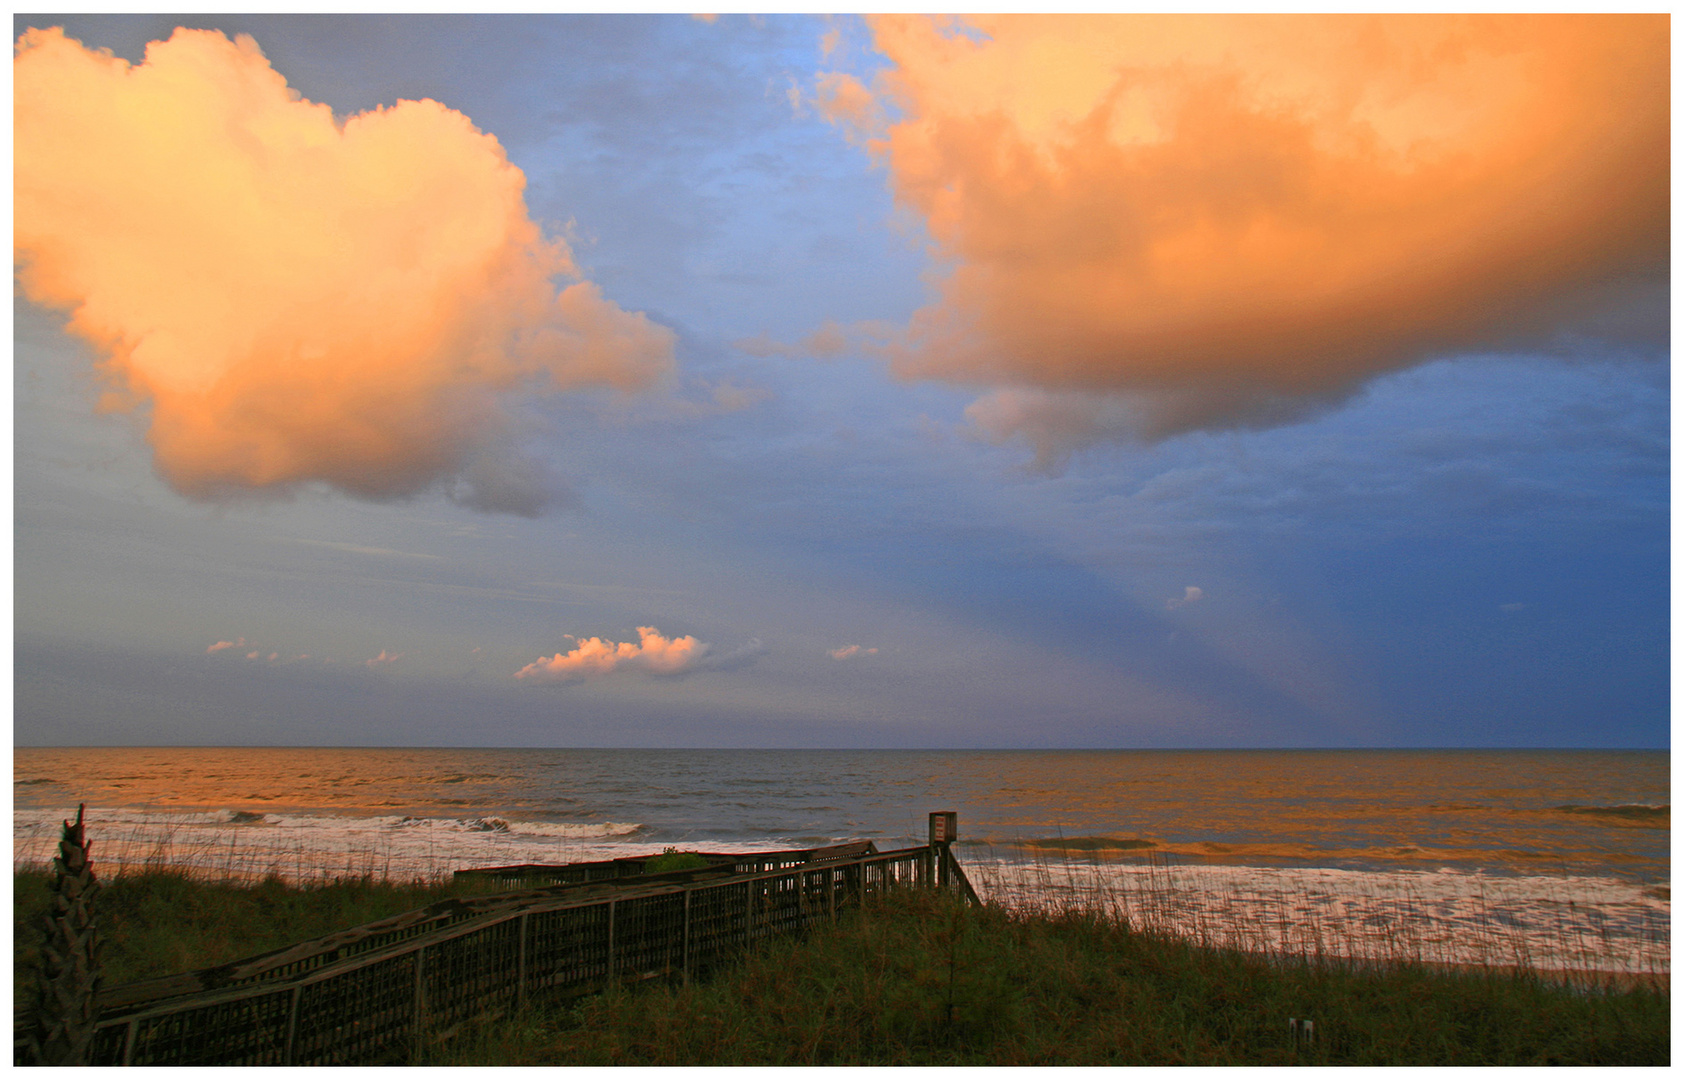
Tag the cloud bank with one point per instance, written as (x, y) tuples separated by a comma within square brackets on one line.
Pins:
[(1219, 221), (653, 653), (291, 297)]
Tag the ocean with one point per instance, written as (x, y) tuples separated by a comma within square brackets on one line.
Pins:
[(1545, 858)]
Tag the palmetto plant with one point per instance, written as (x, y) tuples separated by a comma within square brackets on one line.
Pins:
[(68, 974)]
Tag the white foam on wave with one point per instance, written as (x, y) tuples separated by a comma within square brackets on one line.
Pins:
[(1545, 922), (313, 847), (571, 830)]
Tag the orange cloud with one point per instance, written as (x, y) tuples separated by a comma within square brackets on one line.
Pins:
[(1224, 218), (653, 653), (383, 658), (849, 651), (295, 298), (237, 643), (846, 102)]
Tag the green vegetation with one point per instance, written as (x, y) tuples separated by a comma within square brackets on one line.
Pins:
[(673, 859), (918, 978), (162, 922), (922, 980)]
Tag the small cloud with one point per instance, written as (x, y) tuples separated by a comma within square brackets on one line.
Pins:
[(829, 341), (850, 106), (1512, 607), (654, 653), (721, 398), (237, 643), (1192, 596), (848, 651), (252, 655), (475, 649), (730, 398), (274, 656), (383, 658), (705, 18), (762, 345)]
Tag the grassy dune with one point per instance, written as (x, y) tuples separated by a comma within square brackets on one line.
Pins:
[(162, 922), (920, 979)]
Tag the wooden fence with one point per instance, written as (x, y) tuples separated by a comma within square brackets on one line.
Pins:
[(535, 875), (378, 992)]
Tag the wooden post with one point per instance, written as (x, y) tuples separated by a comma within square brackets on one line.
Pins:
[(292, 1029), (684, 957), (609, 974), (128, 1043), (944, 829), (520, 970), (420, 998)]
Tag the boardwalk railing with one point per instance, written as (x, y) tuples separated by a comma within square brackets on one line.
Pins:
[(535, 875), (378, 992)]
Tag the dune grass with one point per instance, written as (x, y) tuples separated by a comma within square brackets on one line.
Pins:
[(919, 979), (923, 980), (161, 922)]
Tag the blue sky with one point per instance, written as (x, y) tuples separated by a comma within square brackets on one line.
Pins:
[(1469, 547)]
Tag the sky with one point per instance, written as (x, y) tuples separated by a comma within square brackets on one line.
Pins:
[(1203, 381)]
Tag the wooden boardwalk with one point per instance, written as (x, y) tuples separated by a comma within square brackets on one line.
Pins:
[(377, 992)]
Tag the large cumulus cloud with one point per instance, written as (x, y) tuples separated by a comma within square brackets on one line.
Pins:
[(1209, 221), (292, 297)]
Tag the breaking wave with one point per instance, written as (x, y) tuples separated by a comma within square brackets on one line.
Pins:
[(243, 844), (1659, 817)]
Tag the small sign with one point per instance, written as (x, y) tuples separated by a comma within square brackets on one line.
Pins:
[(944, 827)]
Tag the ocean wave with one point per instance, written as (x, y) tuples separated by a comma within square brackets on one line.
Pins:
[(478, 824), (1088, 843), (246, 845), (567, 829), (1642, 814), (34, 780), (1109, 849)]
